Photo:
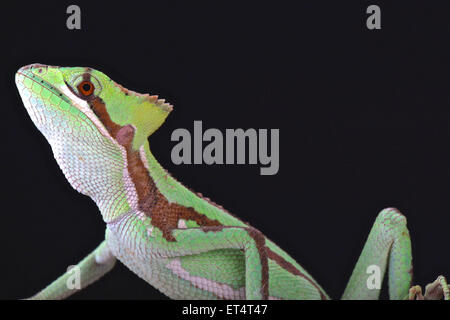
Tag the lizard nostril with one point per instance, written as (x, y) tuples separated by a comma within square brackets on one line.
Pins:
[(36, 68)]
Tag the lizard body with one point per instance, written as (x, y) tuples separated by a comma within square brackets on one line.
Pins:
[(175, 239)]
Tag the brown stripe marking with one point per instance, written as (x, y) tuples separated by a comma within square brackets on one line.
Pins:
[(86, 76), (151, 201), (260, 242), (292, 269), (165, 215)]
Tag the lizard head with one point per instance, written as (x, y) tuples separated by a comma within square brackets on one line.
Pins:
[(57, 95), (82, 114)]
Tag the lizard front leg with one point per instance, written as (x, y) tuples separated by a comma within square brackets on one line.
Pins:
[(92, 267), (388, 242), (251, 241)]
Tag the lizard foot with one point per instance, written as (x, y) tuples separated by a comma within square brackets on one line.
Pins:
[(434, 291)]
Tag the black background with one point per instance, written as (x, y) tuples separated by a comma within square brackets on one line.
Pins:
[(363, 115)]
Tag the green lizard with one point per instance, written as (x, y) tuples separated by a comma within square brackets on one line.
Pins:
[(175, 239)]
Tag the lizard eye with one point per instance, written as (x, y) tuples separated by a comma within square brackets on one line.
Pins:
[(86, 88), (84, 85)]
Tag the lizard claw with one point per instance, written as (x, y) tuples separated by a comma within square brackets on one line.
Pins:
[(436, 290), (415, 293)]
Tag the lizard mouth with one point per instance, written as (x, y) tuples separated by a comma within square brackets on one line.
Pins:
[(37, 94), (27, 80), (50, 107)]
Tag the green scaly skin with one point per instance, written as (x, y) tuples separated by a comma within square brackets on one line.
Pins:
[(207, 253)]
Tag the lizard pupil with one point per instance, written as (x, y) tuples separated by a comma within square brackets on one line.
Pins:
[(86, 88)]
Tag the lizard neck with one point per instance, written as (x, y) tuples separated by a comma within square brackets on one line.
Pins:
[(153, 194), (166, 185), (154, 169), (137, 186)]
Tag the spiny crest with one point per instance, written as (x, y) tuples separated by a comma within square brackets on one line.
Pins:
[(161, 103), (144, 112)]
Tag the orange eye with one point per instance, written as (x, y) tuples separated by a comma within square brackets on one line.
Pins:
[(86, 88)]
